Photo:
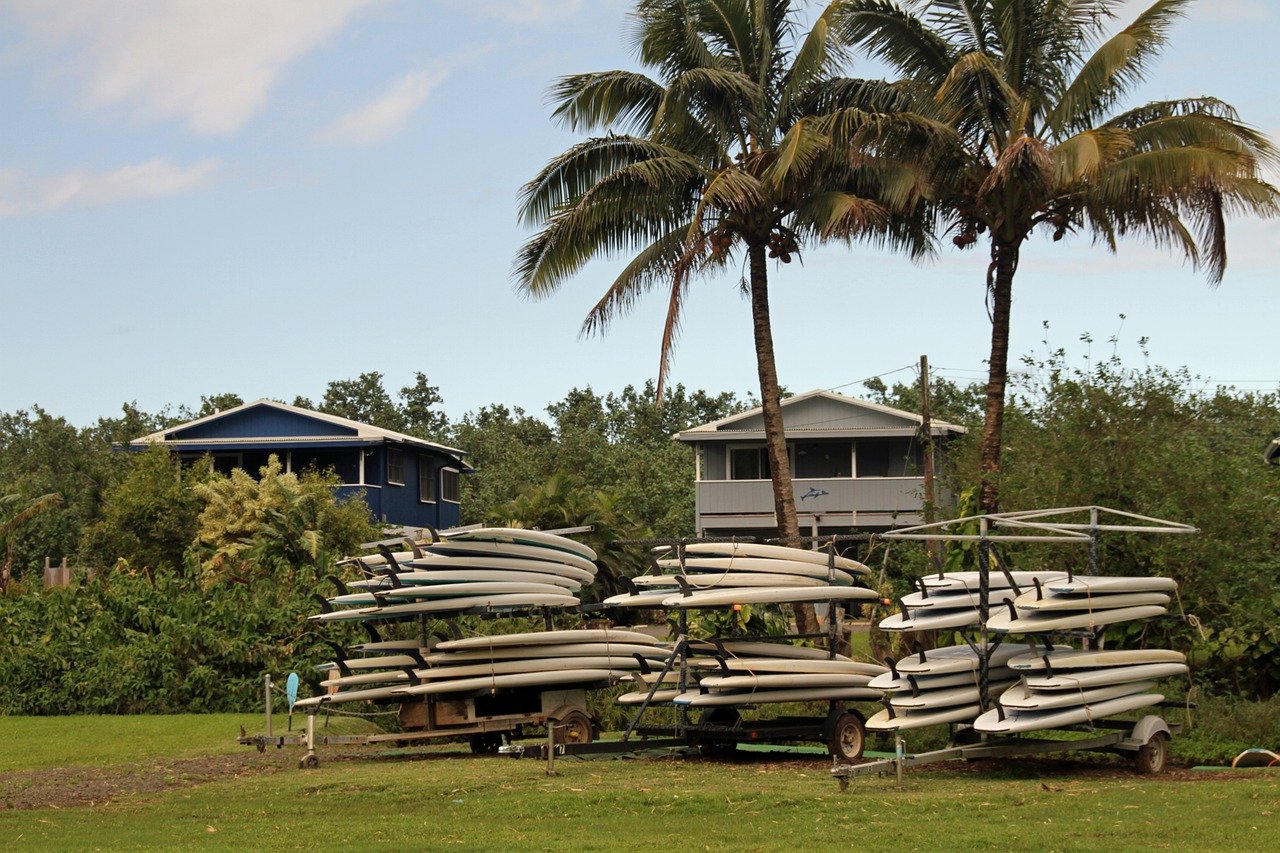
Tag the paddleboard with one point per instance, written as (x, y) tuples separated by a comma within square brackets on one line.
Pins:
[(366, 695), (720, 565), (452, 576), (496, 602), (952, 599), (771, 595), (889, 683), (1089, 583), (781, 680), (728, 579), (446, 590), (945, 697), (775, 552), (512, 564), (951, 659), (1078, 679), (930, 620), (389, 646), (520, 536), (764, 697), (607, 649), (662, 697), (1021, 698), (507, 667), (1080, 659), (652, 598), (995, 580), (497, 682), (1055, 602), (547, 638), (1028, 721), (747, 648), (790, 665), (454, 548), (1001, 621), (885, 721)]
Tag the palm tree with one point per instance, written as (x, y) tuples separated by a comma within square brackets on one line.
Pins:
[(15, 511), (1012, 119), (723, 156)]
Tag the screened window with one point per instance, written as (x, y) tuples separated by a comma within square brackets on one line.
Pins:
[(426, 481), (395, 467), (450, 484), (752, 463)]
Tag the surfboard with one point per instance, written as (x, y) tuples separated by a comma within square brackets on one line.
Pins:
[(905, 719), (498, 682), (382, 646), (788, 665), (952, 599), (452, 576), (1028, 721), (662, 696), (995, 580), (377, 662), (727, 579), (607, 649), (764, 697), (382, 676), (1021, 698), (1055, 602), (495, 602), (447, 590), (1108, 583), (652, 598), (779, 680), (520, 536), (514, 564), (1078, 679), (457, 548), (716, 565), (930, 620), (774, 552), (509, 667), (951, 659), (888, 683), (748, 648), (945, 697), (367, 695), (1080, 659), (1002, 622), (771, 595), (547, 638)]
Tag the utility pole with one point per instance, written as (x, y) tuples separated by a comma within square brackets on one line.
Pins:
[(926, 426)]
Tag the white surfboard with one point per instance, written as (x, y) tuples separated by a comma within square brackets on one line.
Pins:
[(780, 680), (951, 659), (905, 719), (771, 595), (1002, 622), (375, 662), (728, 579), (547, 638), (447, 590), (717, 565), (1077, 679), (453, 576), (520, 536), (765, 665), (383, 646), (1080, 659), (495, 602), (651, 598), (607, 649), (499, 682), (945, 697), (1056, 602), (367, 694), (748, 648), (765, 697), (460, 548), (412, 568), (1029, 721), (935, 620), (890, 684), (508, 667), (953, 599), (774, 552), (1021, 698), (662, 696), (995, 580), (1106, 583)]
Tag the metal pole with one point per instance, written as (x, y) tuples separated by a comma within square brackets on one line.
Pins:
[(926, 428), (266, 690), (984, 611), (899, 755), (551, 747)]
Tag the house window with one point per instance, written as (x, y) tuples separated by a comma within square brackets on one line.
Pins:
[(823, 460), (426, 481), (752, 463), (449, 485), (395, 467)]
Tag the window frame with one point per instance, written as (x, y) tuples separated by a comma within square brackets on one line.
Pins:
[(397, 456), (426, 477), (456, 478)]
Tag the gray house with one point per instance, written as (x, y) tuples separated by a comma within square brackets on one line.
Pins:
[(857, 467)]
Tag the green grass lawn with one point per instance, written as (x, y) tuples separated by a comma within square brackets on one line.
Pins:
[(445, 799)]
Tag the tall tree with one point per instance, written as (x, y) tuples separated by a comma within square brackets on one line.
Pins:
[(1014, 103), (722, 160)]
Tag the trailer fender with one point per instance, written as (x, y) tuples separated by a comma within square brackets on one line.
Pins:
[(1148, 727)]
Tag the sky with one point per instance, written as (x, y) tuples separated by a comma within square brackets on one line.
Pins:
[(263, 196)]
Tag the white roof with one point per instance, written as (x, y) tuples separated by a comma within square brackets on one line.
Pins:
[(362, 430)]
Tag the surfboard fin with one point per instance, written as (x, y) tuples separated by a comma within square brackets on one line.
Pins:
[(892, 664), (412, 673), (325, 606), (915, 686), (893, 715), (628, 586), (340, 657), (685, 589), (414, 548), (645, 669), (338, 584), (374, 636)]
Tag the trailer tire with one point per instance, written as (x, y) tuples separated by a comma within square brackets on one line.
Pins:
[(848, 737), (1152, 755), (309, 762), (486, 743), (574, 727), (728, 717)]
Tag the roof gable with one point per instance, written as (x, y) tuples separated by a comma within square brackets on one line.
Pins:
[(821, 411)]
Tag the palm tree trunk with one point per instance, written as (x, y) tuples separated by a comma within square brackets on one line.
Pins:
[(784, 501), (1004, 257)]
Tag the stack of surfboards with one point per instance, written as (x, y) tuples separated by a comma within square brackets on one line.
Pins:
[(738, 672), (489, 568), (941, 686), (1067, 603), (719, 574), (1069, 687), (949, 600), (492, 663)]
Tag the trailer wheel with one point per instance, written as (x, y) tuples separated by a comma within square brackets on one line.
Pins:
[(1152, 755), (728, 717), (848, 738), (309, 762), (486, 743), (574, 727)]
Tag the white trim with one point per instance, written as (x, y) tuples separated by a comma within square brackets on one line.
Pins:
[(697, 433), (360, 475)]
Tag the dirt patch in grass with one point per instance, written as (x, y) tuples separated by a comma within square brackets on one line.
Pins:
[(65, 787)]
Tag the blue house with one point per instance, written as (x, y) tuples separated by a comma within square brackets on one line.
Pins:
[(405, 480)]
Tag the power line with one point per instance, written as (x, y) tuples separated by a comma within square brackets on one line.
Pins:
[(868, 378)]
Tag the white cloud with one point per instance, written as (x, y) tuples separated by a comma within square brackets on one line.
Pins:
[(385, 115), (521, 11), (208, 64), (22, 195)]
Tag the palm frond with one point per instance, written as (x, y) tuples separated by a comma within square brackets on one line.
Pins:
[(653, 264), (1080, 158), (622, 99), (893, 35)]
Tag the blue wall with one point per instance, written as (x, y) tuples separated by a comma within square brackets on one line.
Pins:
[(261, 421)]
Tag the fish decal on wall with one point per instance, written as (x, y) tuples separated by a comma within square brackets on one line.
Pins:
[(814, 493)]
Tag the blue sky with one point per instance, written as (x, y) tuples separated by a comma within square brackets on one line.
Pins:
[(260, 196)]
